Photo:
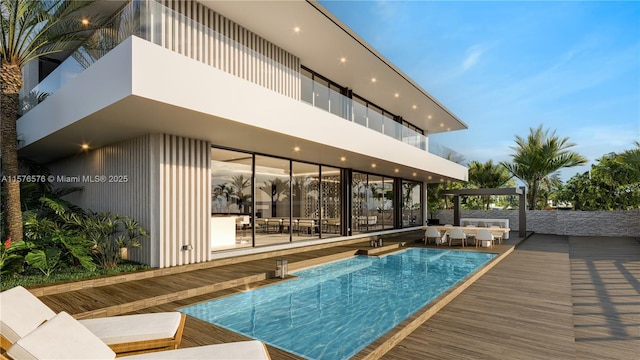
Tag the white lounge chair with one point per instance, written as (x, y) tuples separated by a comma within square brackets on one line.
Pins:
[(21, 312), (63, 337)]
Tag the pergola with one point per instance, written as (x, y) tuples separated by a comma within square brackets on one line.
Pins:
[(521, 192)]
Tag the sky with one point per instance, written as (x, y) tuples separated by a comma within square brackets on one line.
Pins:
[(504, 67)]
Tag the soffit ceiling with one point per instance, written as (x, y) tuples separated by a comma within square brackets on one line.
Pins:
[(323, 40)]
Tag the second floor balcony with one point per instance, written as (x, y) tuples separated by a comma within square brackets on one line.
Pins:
[(160, 25)]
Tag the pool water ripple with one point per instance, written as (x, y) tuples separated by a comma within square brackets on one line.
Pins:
[(333, 311)]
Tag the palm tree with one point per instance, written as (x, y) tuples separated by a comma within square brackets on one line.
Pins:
[(487, 175), (238, 184), (540, 154), (30, 29), (274, 188), (632, 158)]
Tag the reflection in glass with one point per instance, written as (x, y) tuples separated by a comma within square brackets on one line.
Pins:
[(411, 205), (331, 203), (230, 199), (272, 201), (359, 202), (387, 204), (306, 207)]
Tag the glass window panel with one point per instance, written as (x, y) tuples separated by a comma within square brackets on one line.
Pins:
[(273, 203), (375, 203), (321, 93), (336, 101), (375, 119), (359, 112), (359, 210), (230, 199), (306, 87), (331, 211), (387, 204), (411, 205), (306, 201)]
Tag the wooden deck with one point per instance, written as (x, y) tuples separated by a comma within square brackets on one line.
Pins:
[(522, 302), (552, 298)]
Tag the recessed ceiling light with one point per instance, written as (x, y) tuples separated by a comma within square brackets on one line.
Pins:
[(396, 95), (296, 148), (396, 170), (342, 158), (84, 21), (429, 117), (296, 29), (343, 59), (373, 165), (414, 174), (373, 80), (414, 107), (448, 129), (85, 146), (429, 177), (441, 124)]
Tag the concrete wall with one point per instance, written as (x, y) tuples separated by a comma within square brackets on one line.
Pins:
[(576, 223)]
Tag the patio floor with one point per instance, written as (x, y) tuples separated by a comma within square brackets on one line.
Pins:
[(524, 307)]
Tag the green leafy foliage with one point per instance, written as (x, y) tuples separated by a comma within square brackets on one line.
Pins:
[(612, 184), (11, 257), (539, 155), (46, 260)]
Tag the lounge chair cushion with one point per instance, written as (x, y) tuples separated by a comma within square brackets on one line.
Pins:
[(130, 328), (21, 312), (242, 350), (60, 338)]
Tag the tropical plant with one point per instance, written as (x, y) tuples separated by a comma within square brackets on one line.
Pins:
[(120, 27), (537, 156), (487, 175), (11, 256), (549, 186), (275, 188), (108, 233), (611, 184), (56, 238), (30, 29), (238, 185)]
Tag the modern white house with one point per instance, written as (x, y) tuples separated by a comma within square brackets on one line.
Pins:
[(229, 127)]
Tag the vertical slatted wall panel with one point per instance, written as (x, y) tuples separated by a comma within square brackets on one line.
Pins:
[(131, 158), (184, 205), (280, 73)]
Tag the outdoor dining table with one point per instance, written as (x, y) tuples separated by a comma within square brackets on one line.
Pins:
[(469, 230)]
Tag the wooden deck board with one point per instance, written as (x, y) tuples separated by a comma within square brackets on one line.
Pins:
[(553, 297), (520, 304), (606, 297)]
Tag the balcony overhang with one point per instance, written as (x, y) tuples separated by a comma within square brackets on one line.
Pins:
[(140, 88), (323, 40)]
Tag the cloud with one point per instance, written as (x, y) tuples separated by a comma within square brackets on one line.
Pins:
[(473, 55)]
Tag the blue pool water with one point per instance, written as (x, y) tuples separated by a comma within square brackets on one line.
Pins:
[(333, 311)]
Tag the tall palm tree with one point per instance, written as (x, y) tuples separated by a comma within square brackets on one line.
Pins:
[(275, 188), (539, 155), (487, 175), (30, 29)]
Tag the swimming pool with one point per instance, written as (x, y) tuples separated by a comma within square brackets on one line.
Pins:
[(333, 311)]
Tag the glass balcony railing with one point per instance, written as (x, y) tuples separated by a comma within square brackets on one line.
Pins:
[(320, 96), (158, 24)]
